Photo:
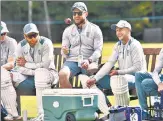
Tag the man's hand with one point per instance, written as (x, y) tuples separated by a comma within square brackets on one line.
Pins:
[(113, 72), (160, 87), (65, 50), (85, 64), (21, 61), (91, 82)]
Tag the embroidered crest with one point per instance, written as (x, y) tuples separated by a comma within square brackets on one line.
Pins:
[(39, 52), (87, 34), (25, 52)]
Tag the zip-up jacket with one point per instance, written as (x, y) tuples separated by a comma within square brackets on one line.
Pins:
[(88, 42), (158, 68), (130, 59), (42, 55), (8, 49)]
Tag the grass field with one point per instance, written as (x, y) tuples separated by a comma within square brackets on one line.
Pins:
[(29, 102)]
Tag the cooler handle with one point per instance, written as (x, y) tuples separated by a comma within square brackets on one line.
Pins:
[(86, 97)]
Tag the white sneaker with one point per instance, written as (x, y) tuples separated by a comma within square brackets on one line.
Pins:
[(38, 118), (8, 118), (17, 117)]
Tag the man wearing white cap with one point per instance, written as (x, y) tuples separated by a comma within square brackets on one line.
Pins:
[(129, 54), (35, 61), (8, 93), (82, 44)]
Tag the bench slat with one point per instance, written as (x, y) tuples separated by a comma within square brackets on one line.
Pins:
[(151, 52), (147, 60)]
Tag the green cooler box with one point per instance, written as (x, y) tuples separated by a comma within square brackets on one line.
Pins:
[(70, 104)]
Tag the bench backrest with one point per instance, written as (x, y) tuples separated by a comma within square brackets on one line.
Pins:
[(151, 54), (58, 61)]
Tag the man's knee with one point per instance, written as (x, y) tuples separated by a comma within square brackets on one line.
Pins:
[(64, 74), (83, 79), (138, 75), (149, 86), (104, 83), (43, 78)]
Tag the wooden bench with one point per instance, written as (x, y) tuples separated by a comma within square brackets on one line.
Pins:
[(150, 54), (59, 60)]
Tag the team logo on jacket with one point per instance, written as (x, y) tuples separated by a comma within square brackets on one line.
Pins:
[(87, 34), (25, 52), (39, 52)]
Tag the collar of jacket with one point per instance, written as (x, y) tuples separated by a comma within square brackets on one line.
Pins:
[(75, 28)]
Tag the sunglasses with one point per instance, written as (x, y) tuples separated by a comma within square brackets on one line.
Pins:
[(79, 13), (30, 36), (3, 34)]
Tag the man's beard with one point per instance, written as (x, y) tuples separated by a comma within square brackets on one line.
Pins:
[(80, 23)]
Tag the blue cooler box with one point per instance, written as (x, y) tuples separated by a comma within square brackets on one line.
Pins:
[(70, 104)]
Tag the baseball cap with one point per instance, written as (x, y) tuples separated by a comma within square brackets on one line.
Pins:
[(4, 27), (29, 28), (79, 5), (121, 24)]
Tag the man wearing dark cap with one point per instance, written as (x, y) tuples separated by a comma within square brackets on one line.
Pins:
[(82, 44), (129, 54), (35, 66)]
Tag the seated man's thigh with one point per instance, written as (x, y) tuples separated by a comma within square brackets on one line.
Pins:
[(73, 67), (150, 87), (104, 83), (27, 87)]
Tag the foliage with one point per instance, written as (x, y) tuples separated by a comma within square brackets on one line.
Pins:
[(102, 13)]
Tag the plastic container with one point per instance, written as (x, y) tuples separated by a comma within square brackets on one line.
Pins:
[(70, 104)]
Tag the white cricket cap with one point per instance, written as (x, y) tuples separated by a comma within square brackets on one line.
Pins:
[(29, 28), (121, 24), (4, 27)]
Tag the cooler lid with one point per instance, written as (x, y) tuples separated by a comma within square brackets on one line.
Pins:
[(70, 92)]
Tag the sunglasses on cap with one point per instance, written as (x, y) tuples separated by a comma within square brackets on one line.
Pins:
[(30, 36), (3, 34), (78, 13)]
